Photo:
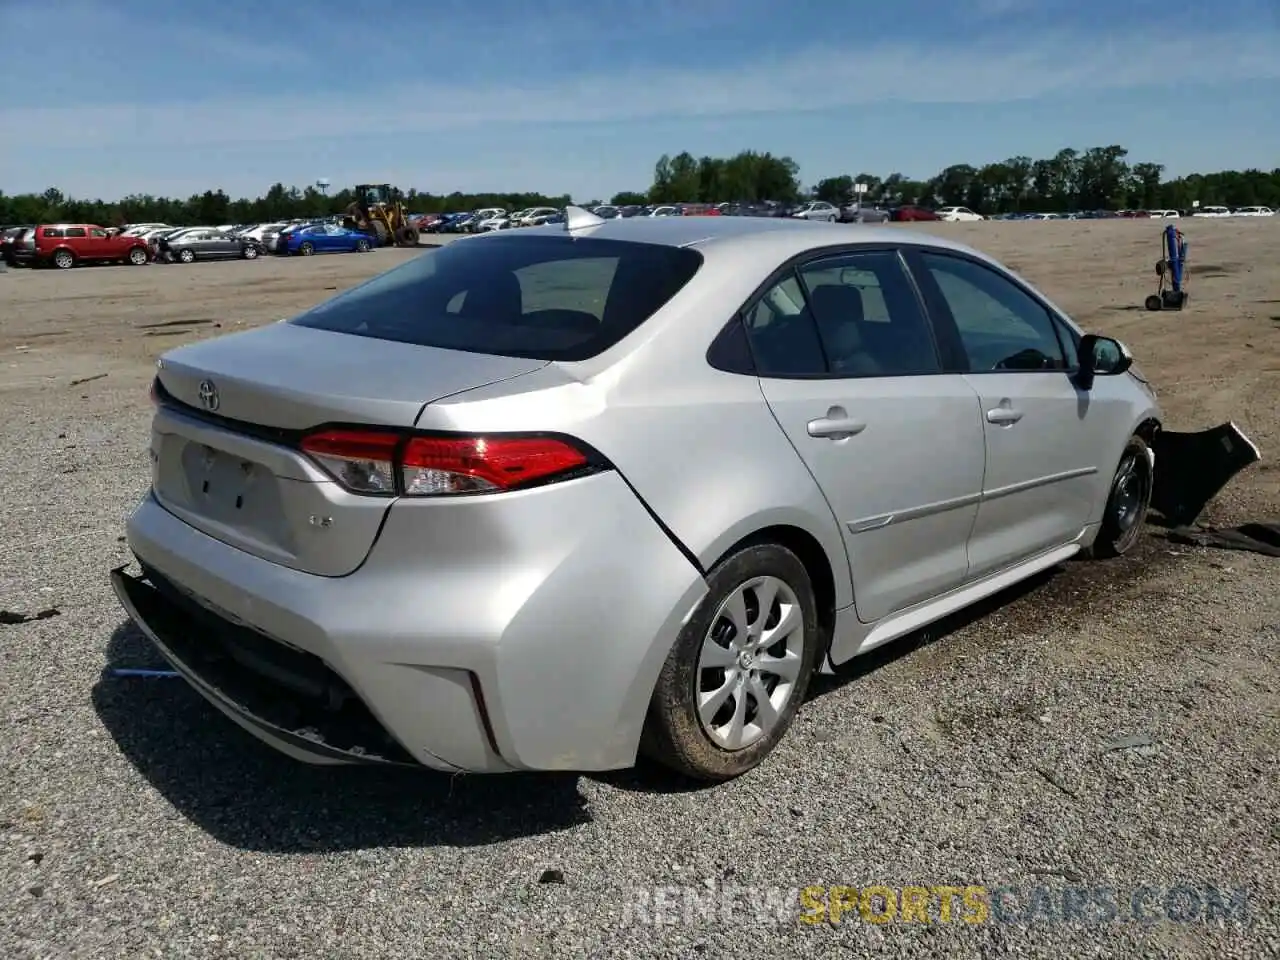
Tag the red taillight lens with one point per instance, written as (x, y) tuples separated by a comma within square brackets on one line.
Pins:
[(154, 391), (435, 465), (388, 463)]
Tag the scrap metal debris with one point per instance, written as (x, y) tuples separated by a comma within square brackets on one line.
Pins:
[(1263, 538), (96, 376), (12, 617)]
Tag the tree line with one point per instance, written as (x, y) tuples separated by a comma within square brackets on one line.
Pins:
[(1099, 178)]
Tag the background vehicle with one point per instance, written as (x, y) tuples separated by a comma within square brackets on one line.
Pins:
[(863, 213), (583, 375), (378, 211), (207, 244), (817, 210), (910, 212), (324, 238), (959, 215), (64, 245)]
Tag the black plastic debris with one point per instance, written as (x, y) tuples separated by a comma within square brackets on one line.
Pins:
[(1263, 538), (551, 876), (139, 672), (1191, 468), (12, 617)]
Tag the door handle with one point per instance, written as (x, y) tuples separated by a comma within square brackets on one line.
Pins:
[(836, 425), (1004, 416)]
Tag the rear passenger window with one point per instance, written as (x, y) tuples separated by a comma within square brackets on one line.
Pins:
[(869, 317), (783, 336), (75, 232)]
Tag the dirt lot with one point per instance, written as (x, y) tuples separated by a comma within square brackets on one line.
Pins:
[(135, 821)]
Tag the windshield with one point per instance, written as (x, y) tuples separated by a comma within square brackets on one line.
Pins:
[(547, 297)]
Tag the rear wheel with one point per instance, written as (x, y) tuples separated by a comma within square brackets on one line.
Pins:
[(738, 672), (64, 259), (362, 245), (1128, 501), (307, 248)]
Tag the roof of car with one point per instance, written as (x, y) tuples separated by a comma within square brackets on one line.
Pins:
[(784, 236)]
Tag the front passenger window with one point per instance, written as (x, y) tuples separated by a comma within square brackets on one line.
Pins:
[(1002, 328)]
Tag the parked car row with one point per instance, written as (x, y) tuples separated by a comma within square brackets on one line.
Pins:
[(65, 245)]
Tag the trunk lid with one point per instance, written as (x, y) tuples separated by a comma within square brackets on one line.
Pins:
[(224, 456)]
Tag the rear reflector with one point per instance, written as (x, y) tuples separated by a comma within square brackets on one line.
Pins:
[(385, 463)]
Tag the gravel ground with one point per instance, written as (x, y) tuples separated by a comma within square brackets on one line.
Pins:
[(137, 822)]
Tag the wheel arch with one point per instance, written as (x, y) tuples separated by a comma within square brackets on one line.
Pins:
[(816, 562)]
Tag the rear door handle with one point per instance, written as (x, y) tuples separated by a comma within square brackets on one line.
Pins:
[(1004, 416), (836, 425)]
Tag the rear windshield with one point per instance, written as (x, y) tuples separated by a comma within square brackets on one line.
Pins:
[(546, 298)]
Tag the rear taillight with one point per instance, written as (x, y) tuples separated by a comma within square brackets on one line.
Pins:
[(385, 463), (154, 391)]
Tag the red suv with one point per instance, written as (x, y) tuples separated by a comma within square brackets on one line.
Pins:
[(909, 212), (66, 244)]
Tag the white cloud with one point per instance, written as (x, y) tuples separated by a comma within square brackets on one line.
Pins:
[(812, 79)]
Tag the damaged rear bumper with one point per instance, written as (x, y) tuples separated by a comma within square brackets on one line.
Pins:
[(321, 723), (1192, 468)]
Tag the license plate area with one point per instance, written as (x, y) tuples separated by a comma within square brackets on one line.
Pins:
[(226, 485)]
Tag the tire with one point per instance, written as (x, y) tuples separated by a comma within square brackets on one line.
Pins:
[(64, 259), (138, 257), (250, 252), (831, 219), (1154, 302), (307, 248), (675, 735), (410, 236), (362, 245), (187, 255), (1127, 501)]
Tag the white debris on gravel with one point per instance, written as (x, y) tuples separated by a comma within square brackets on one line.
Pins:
[(136, 822)]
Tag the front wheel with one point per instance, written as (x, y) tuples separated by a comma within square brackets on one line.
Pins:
[(187, 255), (138, 256), (250, 251), (738, 672), (1127, 501), (307, 248)]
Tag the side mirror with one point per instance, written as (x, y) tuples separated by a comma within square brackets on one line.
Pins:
[(1101, 357)]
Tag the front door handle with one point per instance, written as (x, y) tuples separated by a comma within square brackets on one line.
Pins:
[(836, 425), (1004, 416)]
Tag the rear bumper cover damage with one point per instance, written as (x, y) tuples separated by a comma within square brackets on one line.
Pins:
[(1192, 468), (531, 650)]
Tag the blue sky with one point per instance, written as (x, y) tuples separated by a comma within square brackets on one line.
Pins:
[(107, 98)]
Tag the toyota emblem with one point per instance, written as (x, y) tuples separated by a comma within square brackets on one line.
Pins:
[(208, 395)]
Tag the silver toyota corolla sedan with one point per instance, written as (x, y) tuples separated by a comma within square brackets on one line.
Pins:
[(542, 499)]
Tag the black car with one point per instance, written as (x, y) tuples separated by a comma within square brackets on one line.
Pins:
[(206, 244)]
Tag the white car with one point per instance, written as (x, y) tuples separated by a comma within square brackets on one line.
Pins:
[(496, 221), (1165, 215), (1212, 212), (535, 216), (959, 215), (1255, 212)]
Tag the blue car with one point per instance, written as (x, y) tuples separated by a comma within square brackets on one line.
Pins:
[(326, 238)]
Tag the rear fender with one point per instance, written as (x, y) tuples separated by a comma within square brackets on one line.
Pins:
[(1192, 468)]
